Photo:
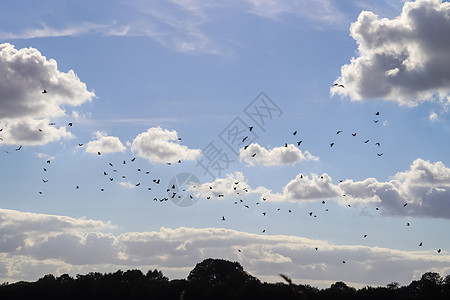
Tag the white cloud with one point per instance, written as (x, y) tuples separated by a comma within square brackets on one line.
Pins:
[(290, 155), (24, 109), (433, 117), (159, 145), (75, 245), (232, 185), (105, 144), (425, 187), (127, 184), (402, 59)]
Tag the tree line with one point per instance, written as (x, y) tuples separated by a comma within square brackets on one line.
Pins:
[(211, 279)]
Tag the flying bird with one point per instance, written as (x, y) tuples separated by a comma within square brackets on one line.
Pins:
[(377, 144), (223, 218), (366, 141), (243, 140), (420, 245), (20, 147), (70, 124), (251, 128), (44, 92), (133, 159), (354, 134), (99, 153), (439, 251), (295, 132), (379, 154), (377, 113), (332, 144), (339, 131), (375, 121), (299, 142)]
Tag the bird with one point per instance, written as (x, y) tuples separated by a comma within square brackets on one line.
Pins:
[(245, 147), (365, 235), (20, 147), (375, 121), (80, 145), (51, 123), (239, 250), (407, 224), (254, 154), (366, 141), (339, 131), (343, 261), (316, 248), (45, 181), (111, 164), (111, 179), (99, 153), (377, 113), (243, 140), (45, 170), (133, 159), (77, 187), (138, 184), (264, 213), (299, 142), (251, 128), (70, 124), (285, 144), (295, 132), (439, 251), (44, 92), (379, 154), (223, 218), (354, 134), (420, 245), (48, 161), (332, 144), (377, 144), (404, 205)]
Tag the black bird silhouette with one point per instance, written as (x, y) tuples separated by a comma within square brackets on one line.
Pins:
[(254, 154), (339, 131), (243, 140), (133, 159), (20, 147), (365, 235), (332, 144), (285, 144), (439, 251), (404, 205), (375, 121), (70, 124), (377, 113), (379, 154), (354, 134), (407, 224), (48, 161), (377, 144), (420, 245), (223, 218), (295, 132), (44, 92), (99, 153), (80, 145), (51, 124), (111, 164), (299, 142), (45, 169), (245, 147), (45, 181), (366, 141), (251, 128)]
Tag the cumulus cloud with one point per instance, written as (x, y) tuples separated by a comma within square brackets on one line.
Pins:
[(24, 109), (78, 245), (159, 145), (290, 155), (404, 59), (105, 144), (232, 185), (424, 188)]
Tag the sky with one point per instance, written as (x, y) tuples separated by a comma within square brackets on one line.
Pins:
[(289, 136)]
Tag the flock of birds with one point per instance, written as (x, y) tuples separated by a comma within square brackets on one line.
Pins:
[(111, 173)]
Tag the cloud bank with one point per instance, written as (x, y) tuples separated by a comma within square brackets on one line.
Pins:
[(36, 244), (105, 144)]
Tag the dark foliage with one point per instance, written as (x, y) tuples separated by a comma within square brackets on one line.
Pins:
[(211, 279)]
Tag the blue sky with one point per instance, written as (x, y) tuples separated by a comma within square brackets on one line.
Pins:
[(166, 81)]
